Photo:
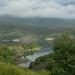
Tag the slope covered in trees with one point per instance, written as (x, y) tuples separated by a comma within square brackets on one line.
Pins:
[(62, 60)]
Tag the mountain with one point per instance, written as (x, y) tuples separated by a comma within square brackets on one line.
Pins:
[(37, 21)]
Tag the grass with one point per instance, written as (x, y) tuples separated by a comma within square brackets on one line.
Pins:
[(9, 69)]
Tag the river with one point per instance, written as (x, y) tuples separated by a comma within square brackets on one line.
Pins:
[(35, 55), (45, 50)]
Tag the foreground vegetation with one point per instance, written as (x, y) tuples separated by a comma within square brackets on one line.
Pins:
[(7, 62), (8, 69), (62, 60)]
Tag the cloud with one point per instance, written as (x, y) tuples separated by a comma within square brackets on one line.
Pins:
[(38, 8)]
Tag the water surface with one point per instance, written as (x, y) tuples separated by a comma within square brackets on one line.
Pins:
[(35, 55)]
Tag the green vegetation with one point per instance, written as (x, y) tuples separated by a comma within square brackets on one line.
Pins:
[(30, 46), (8, 69), (23, 47), (6, 54), (7, 66), (62, 60)]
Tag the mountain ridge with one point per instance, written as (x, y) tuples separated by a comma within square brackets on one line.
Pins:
[(36, 21)]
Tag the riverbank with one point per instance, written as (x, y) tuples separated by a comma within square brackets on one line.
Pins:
[(32, 57)]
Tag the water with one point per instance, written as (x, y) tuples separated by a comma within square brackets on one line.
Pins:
[(13, 40), (35, 55)]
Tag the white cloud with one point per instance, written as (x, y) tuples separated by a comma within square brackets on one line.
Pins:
[(41, 8)]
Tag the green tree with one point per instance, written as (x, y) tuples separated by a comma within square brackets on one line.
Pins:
[(62, 60), (64, 55), (5, 54)]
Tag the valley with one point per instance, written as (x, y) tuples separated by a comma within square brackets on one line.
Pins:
[(29, 43)]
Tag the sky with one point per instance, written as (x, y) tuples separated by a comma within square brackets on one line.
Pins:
[(38, 8)]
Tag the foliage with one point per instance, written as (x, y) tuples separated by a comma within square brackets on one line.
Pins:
[(30, 46), (62, 60), (64, 48), (8, 69), (6, 54)]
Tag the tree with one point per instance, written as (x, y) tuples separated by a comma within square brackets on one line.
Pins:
[(62, 60), (64, 55), (5, 54)]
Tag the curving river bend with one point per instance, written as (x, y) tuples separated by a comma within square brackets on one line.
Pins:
[(35, 55)]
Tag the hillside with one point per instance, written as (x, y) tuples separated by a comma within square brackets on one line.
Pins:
[(8, 69)]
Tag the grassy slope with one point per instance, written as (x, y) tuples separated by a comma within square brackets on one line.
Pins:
[(8, 69)]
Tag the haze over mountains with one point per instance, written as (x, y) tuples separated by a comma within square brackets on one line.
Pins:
[(37, 21)]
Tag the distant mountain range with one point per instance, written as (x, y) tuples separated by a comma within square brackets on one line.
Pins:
[(37, 21)]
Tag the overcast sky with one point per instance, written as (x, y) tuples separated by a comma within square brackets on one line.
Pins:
[(38, 8)]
